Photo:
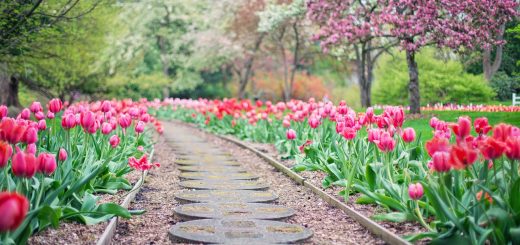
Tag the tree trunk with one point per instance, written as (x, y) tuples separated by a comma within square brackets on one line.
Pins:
[(9, 87), (248, 68), (413, 85), (489, 66)]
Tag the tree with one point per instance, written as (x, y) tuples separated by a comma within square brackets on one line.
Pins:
[(352, 26), (453, 24), (21, 23)]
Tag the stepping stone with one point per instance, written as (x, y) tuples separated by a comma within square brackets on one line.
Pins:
[(218, 176), (212, 169), (238, 231), (223, 185), (226, 196), (192, 162), (233, 210)]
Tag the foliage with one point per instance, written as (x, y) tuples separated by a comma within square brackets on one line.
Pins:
[(505, 85), (268, 86), (148, 86), (440, 81)]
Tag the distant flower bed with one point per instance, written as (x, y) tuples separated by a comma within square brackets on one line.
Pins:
[(455, 107), (462, 185), (55, 161)]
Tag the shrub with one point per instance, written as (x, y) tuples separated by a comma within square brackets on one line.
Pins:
[(504, 85), (440, 81)]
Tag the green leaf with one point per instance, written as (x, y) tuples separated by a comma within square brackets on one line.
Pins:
[(48, 216), (370, 176), (89, 202), (364, 199), (514, 233), (397, 217), (415, 237), (112, 208)]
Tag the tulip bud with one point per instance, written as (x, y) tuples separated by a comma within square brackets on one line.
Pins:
[(139, 127), (25, 114), (3, 111), (55, 105), (62, 155), (408, 135), (106, 128), (36, 107), (50, 115), (286, 123), (441, 161), (291, 134), (42, 125), (6, 150), (68, 121), (114, 141), (87, 119), (31, 135), (415, 191), (386, 143), (39, 115), (13, 208), (106, 106), (46, 163), (125, 121), (31, 149), (24, 164)]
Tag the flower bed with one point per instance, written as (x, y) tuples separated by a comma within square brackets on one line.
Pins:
[(460, 186), (57, 163)]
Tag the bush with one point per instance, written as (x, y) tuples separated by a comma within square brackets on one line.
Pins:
[(149, 86), (439, 81), (504, 85)]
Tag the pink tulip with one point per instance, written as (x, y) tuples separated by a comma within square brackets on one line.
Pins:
[(62, 156), (408, 135), (6, 151), (24, 164), (31, 135), (291, 134), (106, 128), (42, 125), (125, 121), (139, 127), (68, 121), (87, 119), (349, 133), (36, 107), (106, 106), (463, 128), (441, 161), (114, 141), (386, 143), (50, 115), (55, 105), (286, 123), (39, 115), (415, 191), (14, 208), (31, 149), (3, 111), (46, 163), (25, 114), (314, 122)]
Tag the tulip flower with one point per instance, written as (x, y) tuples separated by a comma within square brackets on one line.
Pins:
[(415, 191), (62, 156), (55, 105), (437, 144), (106, 128), (291, 134), (68, 121), (13, 208), (302, 147), (24, 164), (513, 148), (502, 132), (6, 150), (50, 115), (3, 111), (314, 122), (39, 115), (139, 127), (106, 106), (492, 148), (31, 135), (141, 164), (441, 161), (482, 125), (349, 133), (11, 131), (87, 120), (408, 135), (463, 128), (461, 156), (31, 149), (114, 141), (36, 107), (386, 143), (25, 114), (46, 163), (125, 121), (42, 125)]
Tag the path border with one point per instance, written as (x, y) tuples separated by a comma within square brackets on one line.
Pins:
[(110, 230)]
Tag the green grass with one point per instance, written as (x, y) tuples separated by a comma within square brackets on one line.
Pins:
[(422, 125)]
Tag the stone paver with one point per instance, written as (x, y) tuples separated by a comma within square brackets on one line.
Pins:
[(228, 204)]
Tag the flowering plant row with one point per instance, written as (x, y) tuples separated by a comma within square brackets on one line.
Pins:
[(463, 185), (55, 161), (469, 108)]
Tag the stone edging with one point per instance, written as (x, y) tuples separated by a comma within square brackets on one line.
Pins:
[(110, 230), (372, 226)]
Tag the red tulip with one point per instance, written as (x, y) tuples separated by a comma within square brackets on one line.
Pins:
[(441, 161), (349, 133), (3, 111), (141, 164), (68, 121), (463, 128), (55, 105), (302, 147), (502, 131), (46, 163), (408, 135), (24, 164), (106, 106), (461, 157), (437, 144), (11, 131), (114, 141), (36, 107), (513, 148), (492, 148), (62, 156), (6, 151), (125, 121), (13, 208), (386, 143), (291, 134), (139, 127), (415, 191), (482, 125)]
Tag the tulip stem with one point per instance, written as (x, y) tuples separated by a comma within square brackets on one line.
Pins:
[(420, 217)]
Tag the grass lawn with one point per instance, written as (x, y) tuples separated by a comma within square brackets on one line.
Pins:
[(422, 126)]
